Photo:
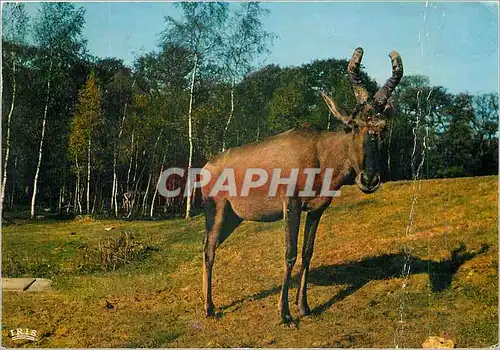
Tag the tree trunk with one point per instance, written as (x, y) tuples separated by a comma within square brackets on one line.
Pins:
[(115, 156), (77, 204), (156, 188), (13, 184), (134, 194), (80, 192), (130, 161), (94, 203), (7, 139), (44, 123), (113, 197), (231, 113), (88, 177), (190, 135), (101, 198), (144, 205), (135, 165), (68, 204), (61, 200)]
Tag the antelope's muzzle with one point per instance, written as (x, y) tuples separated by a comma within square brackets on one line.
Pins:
[(368, 182)]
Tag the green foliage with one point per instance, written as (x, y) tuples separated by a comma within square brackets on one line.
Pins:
[(87, 118), (58, 28), (458, 130), (200, 30), (245, 38), (289, 104), (15, 22)]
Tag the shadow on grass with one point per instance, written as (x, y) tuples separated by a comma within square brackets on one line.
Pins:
[(357, 274)]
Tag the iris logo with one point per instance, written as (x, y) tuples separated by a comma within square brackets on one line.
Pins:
[(24, 334)]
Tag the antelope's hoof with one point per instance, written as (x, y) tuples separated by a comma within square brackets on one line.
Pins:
[(286, 318), (210, 310), (304, 310)]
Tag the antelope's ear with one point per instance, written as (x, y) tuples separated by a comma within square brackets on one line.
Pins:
[(389, 110), (335, 112)]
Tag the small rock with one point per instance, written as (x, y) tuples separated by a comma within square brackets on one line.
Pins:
[(197, 325), (109, 228), (109, 306), (434, 342)]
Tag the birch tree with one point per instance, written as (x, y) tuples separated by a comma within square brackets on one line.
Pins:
[(88, 116), (15, 27), (199, 31), (57, 33), (245, 40), (118, 96)]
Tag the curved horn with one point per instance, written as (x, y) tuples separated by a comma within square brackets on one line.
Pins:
[(356, 81), (385, 91)]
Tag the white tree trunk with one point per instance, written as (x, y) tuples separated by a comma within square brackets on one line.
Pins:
[(94, 203), (68, 205), (190, 135), (77, 187), (130, 161), (7, 139), (88, 177), (112, 202), (44, 123), (231, 113), (156, 188), (135, 166), (115, 157), (13, 184), (144, 205), (61, 200)]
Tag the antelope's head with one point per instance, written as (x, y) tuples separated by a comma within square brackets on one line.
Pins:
[(367, 123)]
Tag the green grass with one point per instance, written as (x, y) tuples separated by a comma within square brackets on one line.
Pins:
[(355, 282)]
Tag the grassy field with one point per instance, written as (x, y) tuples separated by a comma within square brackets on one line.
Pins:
[(356, 287)]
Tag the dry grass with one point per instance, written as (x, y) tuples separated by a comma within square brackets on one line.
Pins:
[(355, 283)]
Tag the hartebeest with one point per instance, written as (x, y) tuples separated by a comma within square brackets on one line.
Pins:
[(356, 151)]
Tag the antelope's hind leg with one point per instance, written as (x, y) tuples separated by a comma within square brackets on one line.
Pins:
[(291, 215), (220, 221)]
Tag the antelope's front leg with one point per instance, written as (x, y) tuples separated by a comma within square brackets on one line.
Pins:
[(291, 215), (311, 226)]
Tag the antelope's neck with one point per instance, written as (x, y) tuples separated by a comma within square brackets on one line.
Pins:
[(334, 150)]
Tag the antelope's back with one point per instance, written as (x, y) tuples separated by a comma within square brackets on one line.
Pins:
[(296, 148)]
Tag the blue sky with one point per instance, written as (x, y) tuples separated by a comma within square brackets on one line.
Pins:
[(455, 44)]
